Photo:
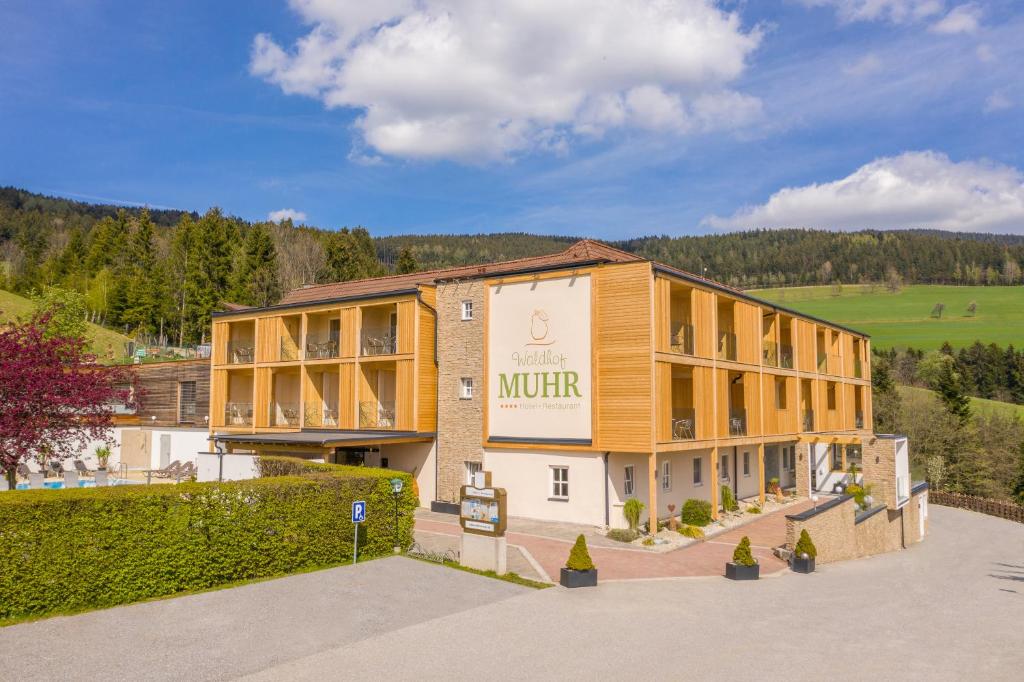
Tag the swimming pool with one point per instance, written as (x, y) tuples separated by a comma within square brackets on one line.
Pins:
[(82, 483)]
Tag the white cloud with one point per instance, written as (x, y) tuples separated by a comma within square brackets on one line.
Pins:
[(865, 66), (482, 80), (912, 190), (997, 101), (895, 11), (286, 214), (961, 19)]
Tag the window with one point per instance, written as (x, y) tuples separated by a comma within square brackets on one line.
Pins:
[(186, 401), (467, 310), (471, 469), (698, 464), (854, 456), (466, 388), (792, 458), (780, 393), (831, 393), (723, 468), (383, 462), (560, 483), (785, 458), (746, 464), (627, 481), (837, 457), (666, 475)]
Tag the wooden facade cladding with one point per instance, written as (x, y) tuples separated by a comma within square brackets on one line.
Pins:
[(158, 392)]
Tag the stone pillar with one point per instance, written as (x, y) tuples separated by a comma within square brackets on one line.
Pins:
[(879, 463), (484, 553), (760, 473), (715, 477), (803, 469)]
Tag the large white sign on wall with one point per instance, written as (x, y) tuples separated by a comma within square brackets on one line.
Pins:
[(538, 356)]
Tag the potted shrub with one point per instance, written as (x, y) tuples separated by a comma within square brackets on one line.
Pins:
[(579, 570), (804, 553), (743, 565), (102, 457)]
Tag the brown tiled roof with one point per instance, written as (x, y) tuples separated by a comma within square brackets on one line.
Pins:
[(585, 250)]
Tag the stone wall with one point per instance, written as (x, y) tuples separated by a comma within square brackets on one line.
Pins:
[(880, 469), (460, 352), (803, 471)]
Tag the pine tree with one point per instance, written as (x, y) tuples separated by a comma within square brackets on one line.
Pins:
[(950, 392), (349, 255), (406, 262), (256, 280), (143, 290)]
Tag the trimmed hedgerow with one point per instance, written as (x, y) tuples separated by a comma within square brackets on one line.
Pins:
[(696, 512), (70, 550)]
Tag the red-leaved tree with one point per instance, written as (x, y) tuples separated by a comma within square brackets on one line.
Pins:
[(54, 398)]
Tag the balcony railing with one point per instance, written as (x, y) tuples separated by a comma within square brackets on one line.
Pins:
[(289, 349), (770, 353), (682, 340), (321, 415), (858, 420), (241, 352), (822, 362), (238, 414), (726, 346), (381, 342), (322, 347), (284, 414), (684, 423), (737, 421), (376, 415), (785, 356), (808, 420), (858, 368)]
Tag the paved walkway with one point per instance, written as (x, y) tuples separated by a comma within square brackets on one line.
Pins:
[(548, 544)]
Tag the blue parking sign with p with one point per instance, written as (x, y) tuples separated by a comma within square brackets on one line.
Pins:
[(358, 511)]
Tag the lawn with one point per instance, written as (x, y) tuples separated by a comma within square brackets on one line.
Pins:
[(13, 306), (903, 319), (978, 405)]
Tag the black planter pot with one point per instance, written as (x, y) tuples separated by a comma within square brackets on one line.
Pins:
[(571, 578), (802, 565), (741, 572)]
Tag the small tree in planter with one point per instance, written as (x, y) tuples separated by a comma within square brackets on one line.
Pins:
[(579, 570), (804, 553), (743, 565), (102, 457)]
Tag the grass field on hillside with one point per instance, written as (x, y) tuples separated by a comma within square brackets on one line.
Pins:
[(13, 306), (978, 405), (904, 319)]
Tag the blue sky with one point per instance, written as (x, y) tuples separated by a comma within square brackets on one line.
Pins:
[(607, 119)]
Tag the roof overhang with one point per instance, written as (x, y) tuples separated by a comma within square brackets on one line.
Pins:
[(324, 439)]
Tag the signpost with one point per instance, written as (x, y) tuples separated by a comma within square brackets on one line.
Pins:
[(358, 516), (483, 517)]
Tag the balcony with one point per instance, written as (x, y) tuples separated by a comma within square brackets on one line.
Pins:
[(737, 422), (238, 414), (289, 350), (322, 347), (378, 342), (684, 423), (376, 415), (808, 422), (786, 356), (822, 362), (682, 340), (321, 416), (858, 420), (858, 368), (770, 354), (241, 352), (284, 414), (727, 346)]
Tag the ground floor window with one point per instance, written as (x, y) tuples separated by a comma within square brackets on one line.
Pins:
[(697, 466), (746, 463), (666, 475), (854, 456), (560, 483), (723, 470), (785, 458), (627, 481), (792, 458), (837, 457), (471, 469)]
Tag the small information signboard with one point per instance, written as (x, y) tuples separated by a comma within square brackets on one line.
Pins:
[(483, 509)]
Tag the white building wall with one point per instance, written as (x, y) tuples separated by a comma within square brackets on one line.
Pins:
[(418, 459), (617, 463), (682, 485), (236, 467), (526, 476)]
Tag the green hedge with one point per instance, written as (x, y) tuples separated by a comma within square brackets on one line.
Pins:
[(68, 550)]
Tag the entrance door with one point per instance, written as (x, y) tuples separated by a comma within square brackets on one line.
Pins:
[(165, 450), (772, 468)]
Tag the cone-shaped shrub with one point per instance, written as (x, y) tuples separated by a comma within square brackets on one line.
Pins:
[(805, 546), (579, 557), (741, 555)]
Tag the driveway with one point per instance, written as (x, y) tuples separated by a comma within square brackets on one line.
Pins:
[(947, 609)]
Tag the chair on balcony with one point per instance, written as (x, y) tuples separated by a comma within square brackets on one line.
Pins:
[(386, 417), (682, 429), (291, 415), (736, 426)]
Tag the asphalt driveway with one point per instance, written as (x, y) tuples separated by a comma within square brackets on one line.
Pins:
[(947, 609)]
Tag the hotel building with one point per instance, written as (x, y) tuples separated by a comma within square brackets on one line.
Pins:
[(579, 379)]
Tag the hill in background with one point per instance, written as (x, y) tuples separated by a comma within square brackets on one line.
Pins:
[(14, 307)]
